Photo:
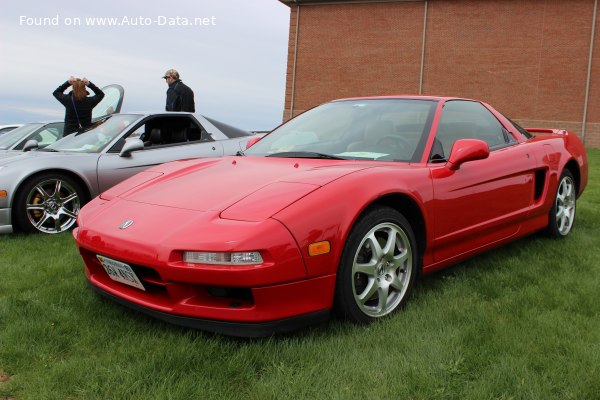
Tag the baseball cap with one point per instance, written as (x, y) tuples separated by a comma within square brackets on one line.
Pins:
[(171, 73)]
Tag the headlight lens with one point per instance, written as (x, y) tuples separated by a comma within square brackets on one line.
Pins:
[(237, 258)]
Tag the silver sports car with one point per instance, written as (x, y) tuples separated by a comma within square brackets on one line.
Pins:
[(43, 190)]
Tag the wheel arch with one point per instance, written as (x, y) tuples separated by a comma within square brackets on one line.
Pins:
[(76, 177), (410, 209), (348, 302), (573, 167)]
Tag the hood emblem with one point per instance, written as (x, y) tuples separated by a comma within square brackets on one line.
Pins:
[(126, 224)]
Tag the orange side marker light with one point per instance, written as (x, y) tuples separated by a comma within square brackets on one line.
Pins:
[(318, 248)]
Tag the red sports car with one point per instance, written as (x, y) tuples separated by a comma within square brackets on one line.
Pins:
[(336, 211)]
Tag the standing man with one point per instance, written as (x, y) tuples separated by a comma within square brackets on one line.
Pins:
[(179, 96)]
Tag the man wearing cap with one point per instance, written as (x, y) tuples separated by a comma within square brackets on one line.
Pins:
[(179, 96)]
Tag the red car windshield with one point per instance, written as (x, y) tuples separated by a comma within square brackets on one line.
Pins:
[(373, 129)]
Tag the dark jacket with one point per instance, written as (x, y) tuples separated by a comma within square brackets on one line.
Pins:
[(180, 97), (84, 107)]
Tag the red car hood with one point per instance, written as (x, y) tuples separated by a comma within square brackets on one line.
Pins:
[(242, 188)]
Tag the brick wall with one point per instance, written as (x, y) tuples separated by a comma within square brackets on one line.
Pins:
[(527, 58), (347, 50), (592, 133)]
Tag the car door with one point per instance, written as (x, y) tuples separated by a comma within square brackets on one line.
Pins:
[(114, 168), (483, 201), (111, 103)]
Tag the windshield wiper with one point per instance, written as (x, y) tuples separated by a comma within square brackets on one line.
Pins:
[(47, 149), (305, 154), (240, 153)]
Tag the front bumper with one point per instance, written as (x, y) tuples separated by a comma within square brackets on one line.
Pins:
[(246, 329), (5, 222), (195, 298), (273, 297)]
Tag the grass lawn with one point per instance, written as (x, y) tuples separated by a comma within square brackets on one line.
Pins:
[(520, 322)]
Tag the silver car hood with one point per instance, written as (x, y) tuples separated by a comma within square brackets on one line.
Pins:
[(11, 157), (7, 155)]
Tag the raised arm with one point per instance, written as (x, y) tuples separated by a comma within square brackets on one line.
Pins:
[(97, 91), (59, 92)]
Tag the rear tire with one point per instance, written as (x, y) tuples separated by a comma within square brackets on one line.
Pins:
[(48, 203), (378, 266), (562, 213)]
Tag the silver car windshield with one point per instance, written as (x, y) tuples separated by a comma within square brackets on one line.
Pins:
[(95, 139), (382, 129), (9, 139)]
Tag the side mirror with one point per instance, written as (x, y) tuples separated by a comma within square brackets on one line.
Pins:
[(465, 150), (31, 144), (131, 144)]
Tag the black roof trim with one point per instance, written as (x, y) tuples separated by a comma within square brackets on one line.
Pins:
[(228, 130)]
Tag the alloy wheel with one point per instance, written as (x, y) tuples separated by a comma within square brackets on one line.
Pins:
[(52, 206), (565, 205), (381, 272)]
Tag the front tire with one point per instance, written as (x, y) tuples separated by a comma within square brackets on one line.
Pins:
[(47, 203), (378, 267), (562, 213)]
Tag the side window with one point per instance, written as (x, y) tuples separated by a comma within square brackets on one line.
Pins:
[(467, 120), (139, 132), (47, 136), (163, 131), (523, 131), (50, 134)]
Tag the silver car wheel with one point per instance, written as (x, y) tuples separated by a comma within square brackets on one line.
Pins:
[(382, 268), (565, 205), (52, 206)]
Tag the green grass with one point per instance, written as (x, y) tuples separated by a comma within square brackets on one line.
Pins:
[(520, 322)]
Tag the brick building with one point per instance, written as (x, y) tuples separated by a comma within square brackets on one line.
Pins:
[(537, 61)]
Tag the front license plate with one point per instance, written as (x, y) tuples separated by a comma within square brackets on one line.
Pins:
[(120, 272)]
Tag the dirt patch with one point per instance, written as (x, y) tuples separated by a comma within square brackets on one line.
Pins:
[(4, 376)]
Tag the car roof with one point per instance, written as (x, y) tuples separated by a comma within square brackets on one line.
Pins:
[(407, 97)]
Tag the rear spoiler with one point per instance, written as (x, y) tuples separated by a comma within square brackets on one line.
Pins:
[(546, 130)]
